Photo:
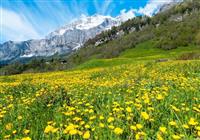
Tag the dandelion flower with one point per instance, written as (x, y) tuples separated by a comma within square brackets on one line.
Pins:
[(26, 138), (139, 126), (6, 136), (159, 137), (50, 128), (185, 126), (86, 135), (110, 119), (172, 123), (111, 127), (14, 131), (145, 115), (163, 129), (133, 127), (176, 137), (101, 117), (73, 132), (9, 126), (159, 97), (118, 131), (192, 122), (19, 117), (101, 125), (26, 131), (128, 109)]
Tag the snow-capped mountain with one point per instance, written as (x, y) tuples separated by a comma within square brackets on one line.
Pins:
[(63, 40), (85, 23), (67, 38)]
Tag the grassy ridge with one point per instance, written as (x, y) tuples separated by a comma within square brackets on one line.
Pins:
[(141, 53)]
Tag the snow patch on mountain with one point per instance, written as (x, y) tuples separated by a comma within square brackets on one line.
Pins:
[(84, 23), (89, 22)]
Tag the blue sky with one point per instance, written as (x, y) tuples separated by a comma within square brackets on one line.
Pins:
[(33, 19)]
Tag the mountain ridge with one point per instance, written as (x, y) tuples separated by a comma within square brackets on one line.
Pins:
[(63, 40)]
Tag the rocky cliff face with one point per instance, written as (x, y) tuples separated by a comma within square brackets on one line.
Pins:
[(63, 40)]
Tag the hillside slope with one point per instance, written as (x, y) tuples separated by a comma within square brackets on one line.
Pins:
[(134, 100), (176, 27)]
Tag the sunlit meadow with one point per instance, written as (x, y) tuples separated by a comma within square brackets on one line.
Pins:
[(132, 101)]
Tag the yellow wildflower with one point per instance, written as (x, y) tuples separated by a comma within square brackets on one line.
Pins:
[(185, 126), (133, 127), (139, 135), (82, 122), (6, 136), (87, 126), (101, 117), (159, 137), (19, 117), (92, 117), (111, 127), (73, 132), (176, 137), (26, 138), (110, 119), (192, 122), (101, 125), (128, 109), (9, 126), (14, 131), (118, 131), (26, 131), (172, 123), (50, 128), (139, 126), (197, 128), (159, 97), (80, 133), (145, 115), (198, 133), (86, 135), (163, 129)]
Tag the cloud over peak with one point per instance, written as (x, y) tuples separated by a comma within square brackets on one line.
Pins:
[(153, 6), (126, 15)]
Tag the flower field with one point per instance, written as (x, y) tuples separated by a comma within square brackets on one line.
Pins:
[(132, 101)]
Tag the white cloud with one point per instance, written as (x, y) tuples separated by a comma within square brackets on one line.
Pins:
[(16, 27), (126, 15), (153, 5)]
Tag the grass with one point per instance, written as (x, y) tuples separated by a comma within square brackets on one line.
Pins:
[(148, 51), (129, 97), (142, 53)]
